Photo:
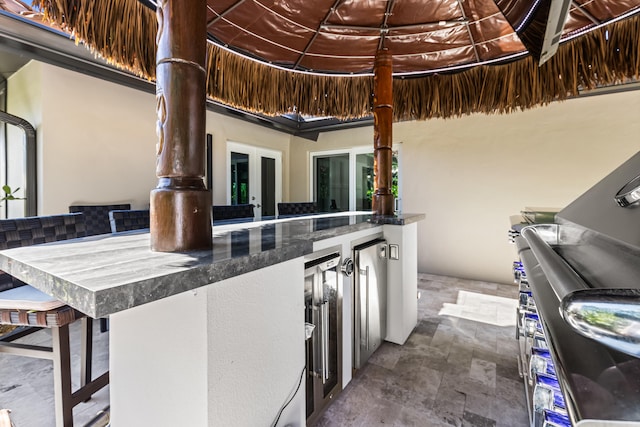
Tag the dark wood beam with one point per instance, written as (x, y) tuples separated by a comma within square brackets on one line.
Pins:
[(382, 132), (181, 204)]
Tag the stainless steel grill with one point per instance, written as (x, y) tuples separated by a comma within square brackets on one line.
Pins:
[(579, 309)]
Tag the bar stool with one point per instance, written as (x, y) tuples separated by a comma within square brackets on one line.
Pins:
[(231, 214), (25, 306), (96, 217), (293, 209), (127, 220)]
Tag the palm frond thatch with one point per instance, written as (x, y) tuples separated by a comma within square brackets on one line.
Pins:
[(123, 32)]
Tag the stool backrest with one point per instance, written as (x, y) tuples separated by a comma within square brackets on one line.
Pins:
[(296, 209), (243, 212), (96, 217), (18, 232), (126, 220)]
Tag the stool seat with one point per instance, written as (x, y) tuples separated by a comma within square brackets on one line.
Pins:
[(28, 298), (27, 306)]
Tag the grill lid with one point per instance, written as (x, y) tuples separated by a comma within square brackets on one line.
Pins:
[(599, 210)]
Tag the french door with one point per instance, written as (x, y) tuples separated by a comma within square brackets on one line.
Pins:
[(254, 176), (343, 180)]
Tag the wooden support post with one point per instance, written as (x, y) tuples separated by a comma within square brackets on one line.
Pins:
[(180, 211), (382, 133)]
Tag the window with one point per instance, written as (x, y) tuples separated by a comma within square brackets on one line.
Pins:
[(17, 161)]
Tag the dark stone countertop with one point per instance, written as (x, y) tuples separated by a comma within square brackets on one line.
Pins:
[(101, 275)]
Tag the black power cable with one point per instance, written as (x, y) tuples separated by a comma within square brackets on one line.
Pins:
[(275, 423)]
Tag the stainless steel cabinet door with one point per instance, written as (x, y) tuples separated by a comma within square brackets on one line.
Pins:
[(370, 299)]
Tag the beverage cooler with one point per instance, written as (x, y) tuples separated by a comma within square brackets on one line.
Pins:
[(323, 321), (578, 317)]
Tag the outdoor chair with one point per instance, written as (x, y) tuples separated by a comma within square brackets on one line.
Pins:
[(293, 209), (30, 309), (230, 214), (127, 220), (96, 217)]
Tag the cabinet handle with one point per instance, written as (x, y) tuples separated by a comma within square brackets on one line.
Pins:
[(367, 307), (325, 341)]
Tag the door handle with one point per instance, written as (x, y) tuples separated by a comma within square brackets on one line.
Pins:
[(258, 205), (367, 307), (316, 371), (325, 342)]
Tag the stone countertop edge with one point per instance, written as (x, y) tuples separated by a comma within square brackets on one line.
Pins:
[(400, 219), (133, 275), (182, 272)]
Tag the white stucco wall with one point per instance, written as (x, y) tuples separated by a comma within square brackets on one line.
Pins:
[(227, 354), (96, 140), (470, 174)]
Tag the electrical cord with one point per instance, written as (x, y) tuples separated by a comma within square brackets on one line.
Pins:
[(275, 423)]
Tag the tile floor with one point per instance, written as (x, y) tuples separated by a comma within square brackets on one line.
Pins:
[(458, 368), (26, 384)]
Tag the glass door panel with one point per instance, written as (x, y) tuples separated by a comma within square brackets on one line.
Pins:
[(364, 181), (239, 178), (268, 175), (332, 183)]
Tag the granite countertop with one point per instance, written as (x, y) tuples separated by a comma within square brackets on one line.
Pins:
[(101, 275)]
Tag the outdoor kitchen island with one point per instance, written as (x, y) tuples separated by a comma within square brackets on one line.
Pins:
[(215, 337)]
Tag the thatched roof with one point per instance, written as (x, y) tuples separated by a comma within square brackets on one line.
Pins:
[(489, 71)]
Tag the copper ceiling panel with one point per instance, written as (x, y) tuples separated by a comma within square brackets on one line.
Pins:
[(261, 48), (605, 10), (342, 36), (331, 44), (301, 11), (497, 48), (580, 18), (266, 24), (490, 28), (329, 48), (358, 12), (353, 64), (449, 38), (576, 22), (493, 38), (434, 60), (420, 11)]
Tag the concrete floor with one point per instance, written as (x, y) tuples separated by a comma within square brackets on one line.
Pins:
[(458, 368)]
